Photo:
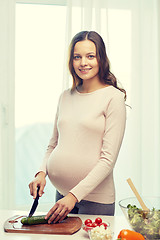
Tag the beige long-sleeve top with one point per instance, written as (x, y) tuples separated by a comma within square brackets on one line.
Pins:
[(87, 136)]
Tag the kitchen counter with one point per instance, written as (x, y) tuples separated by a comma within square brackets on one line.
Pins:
[(116, 224)]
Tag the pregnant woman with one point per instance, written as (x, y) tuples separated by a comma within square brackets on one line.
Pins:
[(88, 131)]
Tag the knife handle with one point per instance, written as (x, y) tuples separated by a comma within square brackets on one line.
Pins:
[(38, 192)]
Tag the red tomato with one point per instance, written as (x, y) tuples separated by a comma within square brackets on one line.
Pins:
[(104, 224), (89, 224), (88, 227), (98, 220), (87, 221), (94, 224), (85, 228)]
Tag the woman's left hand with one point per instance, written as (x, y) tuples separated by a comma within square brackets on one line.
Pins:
[(61, 209)]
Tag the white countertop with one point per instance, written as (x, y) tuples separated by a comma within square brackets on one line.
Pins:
[(117, 223)]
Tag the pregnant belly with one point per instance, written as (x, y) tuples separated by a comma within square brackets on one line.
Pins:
[(65, 170)]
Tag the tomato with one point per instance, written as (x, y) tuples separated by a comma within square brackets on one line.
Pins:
[(98, 220), (94, 224), (86, 228), (104, 224), (89, 224), (87, 221)]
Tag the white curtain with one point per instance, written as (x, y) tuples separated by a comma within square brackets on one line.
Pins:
[(150, 100), (133, 48), (84, 15)]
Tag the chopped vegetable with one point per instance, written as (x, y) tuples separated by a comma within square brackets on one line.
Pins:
[(100, 233)]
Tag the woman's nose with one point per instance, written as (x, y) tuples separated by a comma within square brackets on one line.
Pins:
[(83, 61)]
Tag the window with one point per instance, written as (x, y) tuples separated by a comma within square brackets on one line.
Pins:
[(40, 38)]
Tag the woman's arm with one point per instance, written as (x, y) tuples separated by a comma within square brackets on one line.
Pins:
[(39, 179), (52, 144)]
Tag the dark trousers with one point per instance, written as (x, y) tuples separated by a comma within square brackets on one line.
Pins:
[(89, 207)]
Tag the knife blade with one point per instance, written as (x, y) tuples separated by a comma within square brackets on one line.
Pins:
[(35, 204)]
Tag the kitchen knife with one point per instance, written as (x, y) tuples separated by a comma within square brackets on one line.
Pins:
[(35, 204)]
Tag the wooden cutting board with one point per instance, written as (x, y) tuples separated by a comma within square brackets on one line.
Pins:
[(66, 227)]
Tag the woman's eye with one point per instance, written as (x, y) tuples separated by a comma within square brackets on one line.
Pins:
[(91, 56), (76, 57)]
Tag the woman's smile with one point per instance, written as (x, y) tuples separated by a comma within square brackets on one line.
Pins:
[(84, 70)]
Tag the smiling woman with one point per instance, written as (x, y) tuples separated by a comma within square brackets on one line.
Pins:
[(88, 132)]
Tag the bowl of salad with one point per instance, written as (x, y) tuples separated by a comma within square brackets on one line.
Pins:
[(145, 222)]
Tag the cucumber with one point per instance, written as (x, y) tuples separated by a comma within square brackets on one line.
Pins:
[(34, 220)]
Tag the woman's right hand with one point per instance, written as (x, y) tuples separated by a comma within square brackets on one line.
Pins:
[(38, 181)]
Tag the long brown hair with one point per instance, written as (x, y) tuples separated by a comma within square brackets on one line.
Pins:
[(105, 75)]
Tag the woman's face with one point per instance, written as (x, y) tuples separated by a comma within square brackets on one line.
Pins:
[(85, 61)]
